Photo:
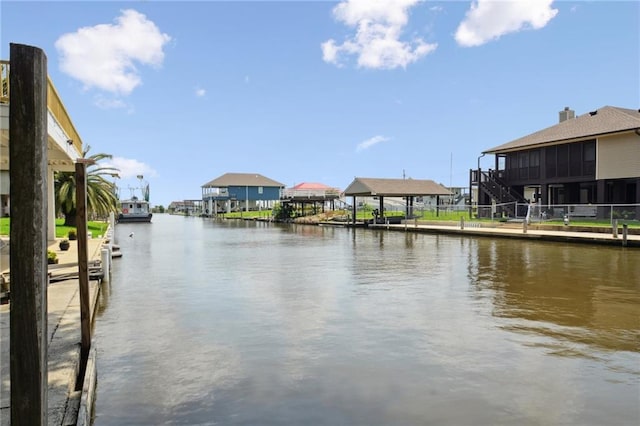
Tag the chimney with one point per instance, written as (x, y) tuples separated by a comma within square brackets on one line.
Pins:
[(567, 114)]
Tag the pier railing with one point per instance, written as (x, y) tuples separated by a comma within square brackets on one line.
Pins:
[(534, 213), (310, 193)]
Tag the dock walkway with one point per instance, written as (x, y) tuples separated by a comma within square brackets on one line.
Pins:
[(63, 329), (471, 229)]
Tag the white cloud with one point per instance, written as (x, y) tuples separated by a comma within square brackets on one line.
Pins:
[(488, 20), (105, 55), (377, 44), (371, 142), (109, 103), (200, 92), (130, 168)]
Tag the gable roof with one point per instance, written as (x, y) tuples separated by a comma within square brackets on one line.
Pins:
[(394, 187), (605, 120), (241, 179)]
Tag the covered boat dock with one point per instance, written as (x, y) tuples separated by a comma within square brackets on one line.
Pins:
[(405, 188), (313, 194)]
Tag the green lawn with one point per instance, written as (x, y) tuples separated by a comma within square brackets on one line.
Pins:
[(96, 228), (248, 215)]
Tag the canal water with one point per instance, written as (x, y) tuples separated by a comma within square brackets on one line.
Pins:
[(245, 323)]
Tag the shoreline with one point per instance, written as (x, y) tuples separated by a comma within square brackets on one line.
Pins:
[(601, 235)]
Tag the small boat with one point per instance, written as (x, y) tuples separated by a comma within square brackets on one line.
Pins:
[(135, 209)]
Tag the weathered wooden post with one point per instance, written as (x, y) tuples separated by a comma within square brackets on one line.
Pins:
[(355, 211), (28, 234), (614, 228), (83, 267)]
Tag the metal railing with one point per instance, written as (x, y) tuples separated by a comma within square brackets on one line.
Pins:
[(535, 213), (538, 213), (309, 193), (4, 77), (54, 104)]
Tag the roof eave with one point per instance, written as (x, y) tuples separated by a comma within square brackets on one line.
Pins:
[(558, 141)]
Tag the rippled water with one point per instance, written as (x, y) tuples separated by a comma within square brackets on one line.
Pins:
[(248, 323)]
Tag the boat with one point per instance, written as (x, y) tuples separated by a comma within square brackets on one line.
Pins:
[(136, 209)]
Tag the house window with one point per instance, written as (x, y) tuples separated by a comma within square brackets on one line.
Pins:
[(512, 166), (563, 160), (550, 161), (589, 158), (575, 159), (260, 190), (534, 164), (523, 159)]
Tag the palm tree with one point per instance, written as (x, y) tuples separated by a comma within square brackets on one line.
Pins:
[(101, 194)]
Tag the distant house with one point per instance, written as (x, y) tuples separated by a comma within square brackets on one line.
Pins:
[(593, 158), (239, 192), (314, 194), (459, 197), (187, 207)]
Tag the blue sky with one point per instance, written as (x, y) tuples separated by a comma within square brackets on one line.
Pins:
[(298, 91)]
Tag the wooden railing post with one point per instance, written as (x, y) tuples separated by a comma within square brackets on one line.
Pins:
[(28, 234), (83, 267)]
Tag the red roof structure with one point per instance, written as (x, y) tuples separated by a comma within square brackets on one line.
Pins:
[(311, 185)]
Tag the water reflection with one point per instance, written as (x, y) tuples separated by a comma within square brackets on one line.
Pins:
[(588, 296), (250, 323)]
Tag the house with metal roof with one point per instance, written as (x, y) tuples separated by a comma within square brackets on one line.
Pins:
[(239, 192), (590, 159), (408, 189)]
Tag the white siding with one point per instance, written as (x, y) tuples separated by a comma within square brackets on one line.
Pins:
[(618, 156)]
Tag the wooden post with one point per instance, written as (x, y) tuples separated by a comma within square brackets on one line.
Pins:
[(83, 266), (28, 250), (354, 211)]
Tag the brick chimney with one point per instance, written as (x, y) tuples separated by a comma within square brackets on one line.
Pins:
[(567, 114)]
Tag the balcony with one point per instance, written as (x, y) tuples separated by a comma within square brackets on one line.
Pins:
[(64, 142)]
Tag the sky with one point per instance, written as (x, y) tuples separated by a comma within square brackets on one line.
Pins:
[(319, 91)]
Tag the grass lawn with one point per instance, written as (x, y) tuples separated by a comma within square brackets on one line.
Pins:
[(249, 215), (96, 228)]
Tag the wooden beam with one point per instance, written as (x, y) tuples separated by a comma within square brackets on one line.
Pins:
[(83, 268), (28, 234)]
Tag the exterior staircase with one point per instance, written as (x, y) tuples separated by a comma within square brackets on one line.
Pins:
[(495, 188)]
